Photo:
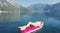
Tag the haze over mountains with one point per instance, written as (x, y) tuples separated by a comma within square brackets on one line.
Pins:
[(52, 10), (14, 10)]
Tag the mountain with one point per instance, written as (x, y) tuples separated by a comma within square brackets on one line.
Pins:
[(13, 2), (51, 10), (54, 10), (9, 12), (38, 7)]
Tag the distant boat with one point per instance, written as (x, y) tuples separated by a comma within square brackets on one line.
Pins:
[(31, 27)]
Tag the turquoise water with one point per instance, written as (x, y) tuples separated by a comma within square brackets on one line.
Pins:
[(51, 25)]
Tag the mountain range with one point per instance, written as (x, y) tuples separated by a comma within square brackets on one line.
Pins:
[(14, 10), (51, 10)]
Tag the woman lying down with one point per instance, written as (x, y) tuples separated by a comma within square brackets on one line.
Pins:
[(31, 27)]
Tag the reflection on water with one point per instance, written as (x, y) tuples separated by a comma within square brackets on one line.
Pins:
[(51, 25)]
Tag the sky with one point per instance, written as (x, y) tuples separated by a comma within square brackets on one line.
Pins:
[(30, 2)]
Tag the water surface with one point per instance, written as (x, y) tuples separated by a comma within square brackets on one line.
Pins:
[(51, 25)]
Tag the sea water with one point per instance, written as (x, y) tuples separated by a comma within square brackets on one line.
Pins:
[(51, 25)]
